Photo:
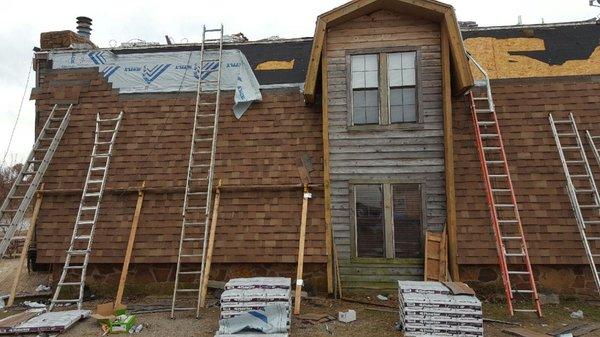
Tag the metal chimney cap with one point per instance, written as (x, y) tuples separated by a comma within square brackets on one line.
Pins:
[(84, 26)]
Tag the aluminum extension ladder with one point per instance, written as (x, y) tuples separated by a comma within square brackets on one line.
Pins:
[(513, 255), (199, 183), (581, 186), (19, 197), (78, 254)]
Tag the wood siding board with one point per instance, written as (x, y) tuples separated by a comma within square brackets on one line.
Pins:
[(392, 154)]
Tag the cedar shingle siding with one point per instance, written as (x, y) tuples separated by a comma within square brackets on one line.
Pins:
[(262, 148), (523, 106)]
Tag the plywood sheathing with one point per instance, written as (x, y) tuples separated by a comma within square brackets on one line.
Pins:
[(275, 65), (495, 56)]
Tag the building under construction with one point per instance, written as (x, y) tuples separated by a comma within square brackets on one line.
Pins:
[(392, 125)]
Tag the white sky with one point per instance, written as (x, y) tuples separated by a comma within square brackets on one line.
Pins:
[(150, 20)]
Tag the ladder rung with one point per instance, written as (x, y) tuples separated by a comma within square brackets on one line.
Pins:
[(195, 207), (95, 181), (202, 139), (205, 115), (34, 161), (99, 168), (56, 119), (522, 291), (189, 290), (588, 206), (101, 155), (42, 149), (197, 193), (65, 301), (194, 223), (480, 98), (525, 310), (73, 267), (574, 161), (566, 134), (514, 272), (202, 152), (16, 197), (579, 176), (213, 30), (479, 111), (83, 237), (206, 103), (484, 123), (190, 272), (511, 238), (501, 190), (593, 238), (514, 254), (491, 148), (88, 208), (102, 143), (190, 255), (494, 162), (592, 222), (200, 165), (108, 120), (498, 176), (106, 131), (204, 127), (584, 191), (29, 173), (77, 252), (570, 147), (198, 179), (505, 205), (69, 283), (11, 210), (85, 222), (489, 135), (562, 121), (184, 309), (193, 239), (508, 221), (93, 194)]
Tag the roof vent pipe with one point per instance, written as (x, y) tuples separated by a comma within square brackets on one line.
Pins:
[(84, 26)]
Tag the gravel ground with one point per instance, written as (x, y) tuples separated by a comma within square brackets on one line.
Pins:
[(372, 320)]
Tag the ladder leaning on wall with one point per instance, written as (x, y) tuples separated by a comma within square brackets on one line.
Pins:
[(511, 246), (581, 186), (199, 182), (19, 197), (80, 247)]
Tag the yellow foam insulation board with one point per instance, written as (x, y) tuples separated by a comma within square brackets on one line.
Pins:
[(276, 65), (493, 55)]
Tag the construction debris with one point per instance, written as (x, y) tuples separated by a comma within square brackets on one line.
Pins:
[(115, 319), (434, 308), (522, 332), (579, 329), (347, 316), (315, 318), (35, 321)]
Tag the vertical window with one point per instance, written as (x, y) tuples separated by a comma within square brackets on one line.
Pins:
[(370, 227), (365, 89), (402, 87), (388, 220), (406, 208)]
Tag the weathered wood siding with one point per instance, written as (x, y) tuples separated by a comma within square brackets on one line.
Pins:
[(396, 154)]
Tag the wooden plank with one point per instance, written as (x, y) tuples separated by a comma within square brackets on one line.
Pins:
[(299, 281), (389, 221), (210, 248), (23, 257), (449, 158), (443, 257), (130, 243), (522, 332), (312, 72), (329, 246)]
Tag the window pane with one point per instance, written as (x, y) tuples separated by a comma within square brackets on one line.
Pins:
[(371, 79), (408, 60), (365, 106), (403, 106), (370, 233), (372, 97), (395, 61), (408, 77), (364, 71), (359, 98), (371, 62), (372, 115), (395, 78), (358, 63), (406, 203), (359, 115)]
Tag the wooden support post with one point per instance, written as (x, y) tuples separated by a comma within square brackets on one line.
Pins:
[(299, 282), (23, 257), (129, 251), (329, 235), (449, 156), (210, 248)]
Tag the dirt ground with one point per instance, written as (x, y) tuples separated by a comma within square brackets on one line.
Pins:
[(372, 320)]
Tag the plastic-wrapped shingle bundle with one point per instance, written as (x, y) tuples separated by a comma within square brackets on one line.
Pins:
[(432, 309), (248, 295)]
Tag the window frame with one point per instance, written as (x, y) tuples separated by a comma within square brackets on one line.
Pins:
[(389, 238), (384, 89)]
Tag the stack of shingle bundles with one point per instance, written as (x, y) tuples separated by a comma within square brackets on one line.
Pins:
[(242, 295), (439, 309)]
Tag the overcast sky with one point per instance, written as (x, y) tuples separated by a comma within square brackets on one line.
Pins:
[(149, 20)]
